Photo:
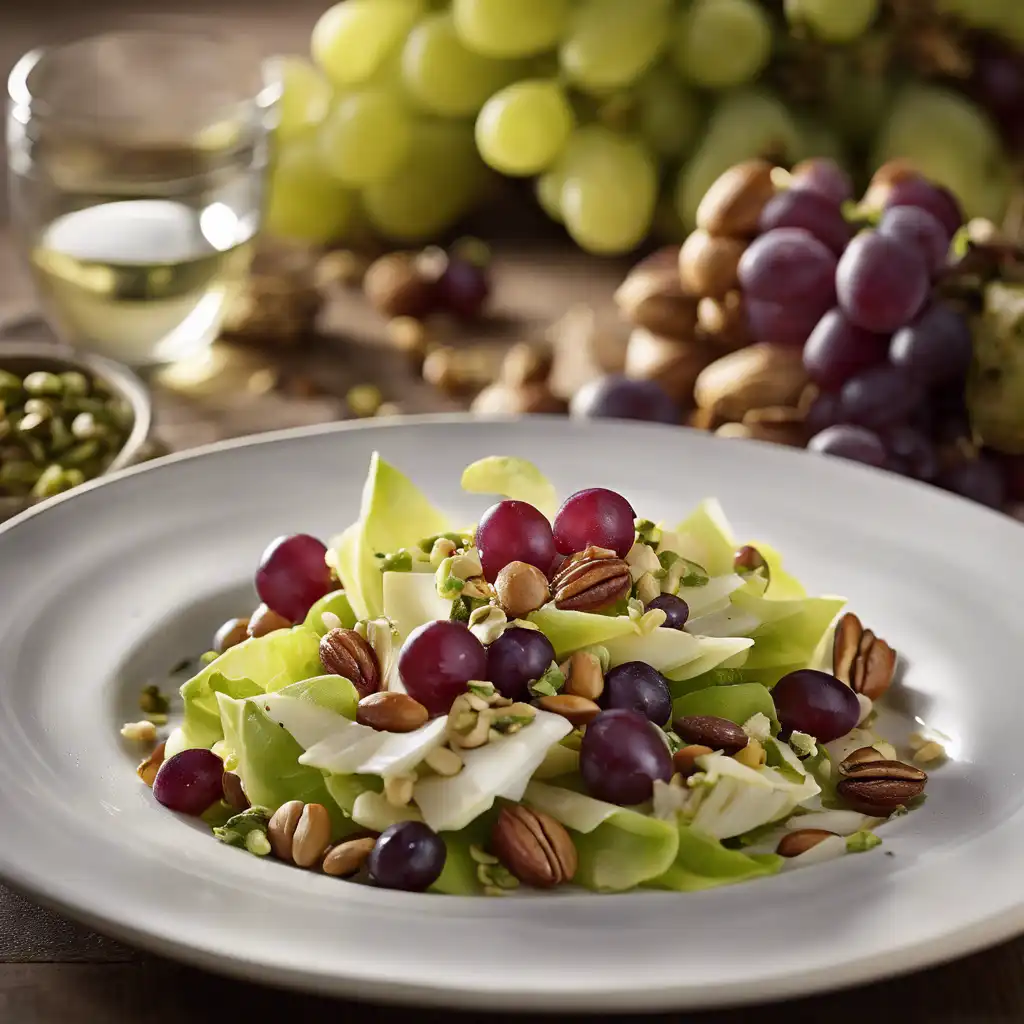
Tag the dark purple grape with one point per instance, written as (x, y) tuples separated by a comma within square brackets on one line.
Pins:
[(621, 756), (824, 177), (408, 856), (514, 531), (911, 452), (937, 200), (517, 658), (838, 349), (464, 288), (823, 413), (802, 208), (1012, 467), (617, 397), (190, 782), (676, 610), (595, 516), (936, 348), (293, 575), (816, 703), (882, 283), (997, 78), (880, 397), (639, 687), (979, 479), (436, 662), (789, 264), (918, 228), (784, 323), (848, 442)]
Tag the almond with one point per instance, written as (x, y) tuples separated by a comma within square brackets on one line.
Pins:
[(732, 206), (753, 378), (575, 710), (390, 711), (709, 266)]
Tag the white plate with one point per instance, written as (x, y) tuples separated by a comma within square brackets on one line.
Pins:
[(105, 589)]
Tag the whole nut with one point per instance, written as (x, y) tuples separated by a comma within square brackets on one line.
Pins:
[(312, 835), (862, 755), (234, 795), (395, 285), (147, 769), (281, 828), (591, 583), (723, 322), (794, 843), (583, 676), (345, 859), (343, 652), (861, 659), (674, 364), (753, 378), (521, 588), (684, 760), (232, 633), (732, 205), (524, 400), (880, 787), (390, 711), (778, 424), (264, 621), (535, 847), (709, 266), (652, 296), (575, 710), (710, 731), (527, 363)]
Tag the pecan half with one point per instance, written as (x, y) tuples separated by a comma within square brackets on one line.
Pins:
[(343, 652), (879, 787), (591, 581), (534, 847), (861, 659)]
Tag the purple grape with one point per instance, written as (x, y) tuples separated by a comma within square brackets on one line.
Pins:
[(936, 348), (849, 442), (917, 228), (595, 516), (938, 201), (911, 452), (998, 77), (838, 349), (676, 610), (802, 208), (789, 264), (978, 479), (190, 782), (517, 658), (882, 283), (639, 687), (784, 323), (293, 575), (408, 856), (880, 397), (1012, 468), (823, 413), (824, 177), (617, 397), (436, 662), (621, 756), (514, 531), (464, 288), (816, 703)]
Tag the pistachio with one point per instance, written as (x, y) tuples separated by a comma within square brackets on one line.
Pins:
[(346, 859), (672, 363), (723, 322), (711, 731), (583, 675), (299, 833), (395, 285), (390, 711), (732, 205), (281, 828), (264, 621), (652, 297), (794, 843), (708, 266), (468, 726), (576, 710), (535, 847), (343, 652), (685, 758), (521, 588), (232, 633), (753, 378)]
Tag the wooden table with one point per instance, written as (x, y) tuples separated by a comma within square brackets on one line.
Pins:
[(53, 970)]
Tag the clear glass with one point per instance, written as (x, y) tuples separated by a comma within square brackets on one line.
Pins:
[(137, 162)]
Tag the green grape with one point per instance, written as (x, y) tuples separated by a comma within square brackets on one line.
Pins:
[(817, 139), (446, 78), (520, 28), (353, 37), (522, 129), (305, 96), (666, 225), (978, 13), (366, 137), (833, 21), (608, 192), (306, 204), (720, 44), (857, 102), (669, 114), (611, 43), (548, 189)]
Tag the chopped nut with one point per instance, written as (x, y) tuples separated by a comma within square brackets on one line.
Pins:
[(930, 752), (444, 761), (139, 732), (576, 710), (583, 675), (147, 769), (752, 755), (487, 623), (684, 760), (398, 790), (521, 588), (468, 728)]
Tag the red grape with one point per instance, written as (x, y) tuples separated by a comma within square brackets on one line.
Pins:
[(464, 288), (802, 208), (919, 229), (786, 264), (838, 349), (911, 452), (616, 397), (979, 479), (190, 781), (436, 662), (514, 531), (639, 687), (817, 703), (595, 516), (824, 412), (936, 348), (676, 610), (408, 856), (293, 575), (517, 658), (882, 283), (621, 756), (880, 397), (824, 177), (848, 442), (784, 323), (938, 201)]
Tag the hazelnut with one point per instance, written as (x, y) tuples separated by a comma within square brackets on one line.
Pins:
[(709, 265), (521, 588), (396, 286)]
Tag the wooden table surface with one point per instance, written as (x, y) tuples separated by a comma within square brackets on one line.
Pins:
[(52, 969)]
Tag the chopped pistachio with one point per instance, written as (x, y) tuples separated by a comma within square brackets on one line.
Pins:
[(481, 856), (448, 586), (400, 561), (804, 744), (460, 610), (681, 572), (550, 683), (758, 727), (482, 688), (487, 623), (674, 742), (647, 588), (460, 540), (647, 532), (152, 701), (861, 842), (641, 558), (443, 547), (257, 843)]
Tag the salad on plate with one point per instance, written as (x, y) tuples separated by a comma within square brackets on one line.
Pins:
[(560, 695)]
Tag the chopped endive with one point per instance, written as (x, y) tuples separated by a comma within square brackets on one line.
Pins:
[(511, 477), (353, 749), (411, 600)]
